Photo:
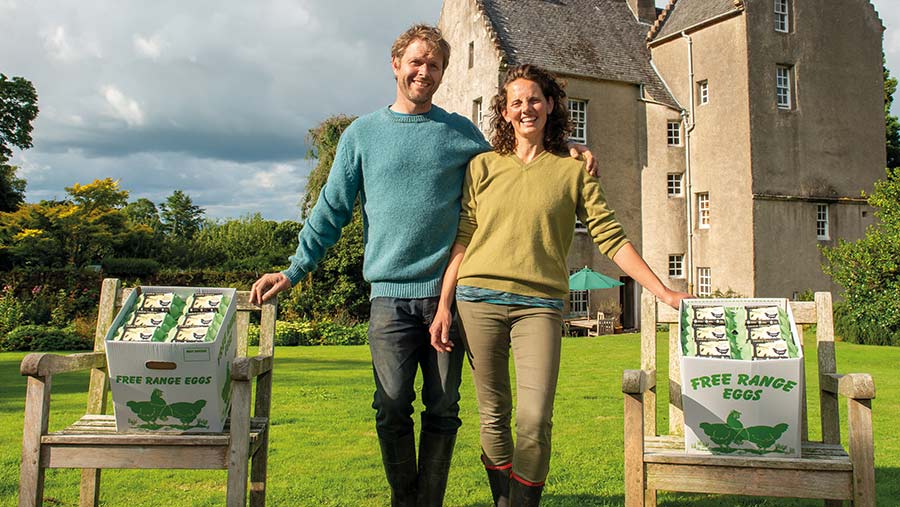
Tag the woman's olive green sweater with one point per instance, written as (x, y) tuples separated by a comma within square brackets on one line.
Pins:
[(517, 222)]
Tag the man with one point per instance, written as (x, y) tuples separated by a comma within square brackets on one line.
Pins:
[(406, 164)]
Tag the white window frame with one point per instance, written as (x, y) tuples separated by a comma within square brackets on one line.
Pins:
[(783, 88), (676, 265), (579, 226), (704, 282), (674, 184), (782, 16), (578, 300), (673, 133), (478, 112), (703, 210), (578, 117), (703, 91), (823, 232)]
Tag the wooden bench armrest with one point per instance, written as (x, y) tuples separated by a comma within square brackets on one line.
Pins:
[(246, 368), (638, 381), (856, 386), (46, 364)]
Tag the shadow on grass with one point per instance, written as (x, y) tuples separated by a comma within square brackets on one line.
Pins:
[(550, 500)]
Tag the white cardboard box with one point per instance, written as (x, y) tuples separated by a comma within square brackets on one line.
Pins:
[(742, 407), (182, 387)]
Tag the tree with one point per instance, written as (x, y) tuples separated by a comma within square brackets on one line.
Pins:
[(869, 271), (892, 126), (337, 287), (82, 229), (12, 188), (144, 212), (180, 217), (18, 109), (248, 243), (98, 195), (91, 220), (323, 141)]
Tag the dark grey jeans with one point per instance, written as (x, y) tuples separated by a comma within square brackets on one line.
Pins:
[(400, 345)]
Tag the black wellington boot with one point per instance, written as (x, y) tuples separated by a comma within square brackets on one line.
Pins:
[(435, 452), (499, 481), (399, 459), (521, 495)]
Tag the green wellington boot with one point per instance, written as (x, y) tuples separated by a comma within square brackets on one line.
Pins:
[(399, 459), (435, 452)]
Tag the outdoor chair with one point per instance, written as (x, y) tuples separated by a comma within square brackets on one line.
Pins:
[(92, 443), (824, 470)]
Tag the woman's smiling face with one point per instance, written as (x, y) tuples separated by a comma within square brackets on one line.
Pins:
[(527, 109)]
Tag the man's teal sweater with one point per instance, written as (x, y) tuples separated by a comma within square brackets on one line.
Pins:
[(407, 170)]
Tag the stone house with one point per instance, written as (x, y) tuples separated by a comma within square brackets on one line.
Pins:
[(735, 136)]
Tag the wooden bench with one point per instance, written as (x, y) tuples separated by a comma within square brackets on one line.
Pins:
[(824, 470), (92, 443)]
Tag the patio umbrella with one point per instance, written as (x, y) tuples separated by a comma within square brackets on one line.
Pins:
[(588, 279)]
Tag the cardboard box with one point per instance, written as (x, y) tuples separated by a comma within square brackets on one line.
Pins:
[(744, 406), (168, 386)]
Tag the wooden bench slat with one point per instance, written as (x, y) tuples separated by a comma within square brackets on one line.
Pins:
[(814, 456), (101, 429), (702, 478)]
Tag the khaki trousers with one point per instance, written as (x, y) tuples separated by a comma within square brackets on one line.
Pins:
[(534, 335)]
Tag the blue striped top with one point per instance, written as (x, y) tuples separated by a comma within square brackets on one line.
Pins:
[(479, 295)]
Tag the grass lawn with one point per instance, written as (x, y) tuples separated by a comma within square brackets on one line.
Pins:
[(323, 449)]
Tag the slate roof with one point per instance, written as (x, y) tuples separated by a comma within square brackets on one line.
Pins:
[(592, 38), (681, 14)]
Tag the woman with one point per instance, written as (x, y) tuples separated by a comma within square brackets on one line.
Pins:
[(518, 216)]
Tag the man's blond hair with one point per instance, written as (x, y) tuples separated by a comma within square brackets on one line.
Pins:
[(431, 35)]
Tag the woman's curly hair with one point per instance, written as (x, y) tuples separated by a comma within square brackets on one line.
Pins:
[(558, 127)]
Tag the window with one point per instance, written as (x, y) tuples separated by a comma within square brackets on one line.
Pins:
[(673, 184), (673, 133), (579, 226), (783, 86), (477, 112), (578, 299), (578, 117), (782, 21), (471, 54), (676, 265), (703, 210), (704, 282), (822, 222), (703, 91)]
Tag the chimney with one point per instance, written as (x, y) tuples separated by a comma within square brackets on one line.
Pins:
[(643, 10)]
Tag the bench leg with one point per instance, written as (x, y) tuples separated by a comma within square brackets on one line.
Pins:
[(260, 461), (90, 487), (650, 498), (239, 448), (862, 452), (37, 414), (635, 481)]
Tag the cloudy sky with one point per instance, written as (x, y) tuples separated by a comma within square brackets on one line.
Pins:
[(213, 97)]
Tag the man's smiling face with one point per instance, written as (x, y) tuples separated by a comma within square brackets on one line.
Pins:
[(418, 72)]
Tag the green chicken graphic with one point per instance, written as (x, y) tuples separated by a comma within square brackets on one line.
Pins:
[(156, 411), (734, 432), (149, 411)]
